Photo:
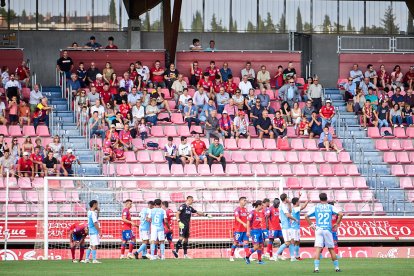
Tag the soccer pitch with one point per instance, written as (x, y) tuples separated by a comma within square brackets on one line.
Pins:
[(206, 267)]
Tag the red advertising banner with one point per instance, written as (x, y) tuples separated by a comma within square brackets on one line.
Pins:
[(219, 229)]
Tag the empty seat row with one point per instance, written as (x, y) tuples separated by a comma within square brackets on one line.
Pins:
[(36, 183), (407, 182), (310, 183), (402, 157), (365, 208), (374, 132), (17, 131), (20, 196), (394, 144), (402, 170)]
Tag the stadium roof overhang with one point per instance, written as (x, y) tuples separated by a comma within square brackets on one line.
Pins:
[(135, 8)]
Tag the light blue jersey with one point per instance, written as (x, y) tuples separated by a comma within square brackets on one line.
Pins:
[(157, 216), (144, 224), (296, 214), (92, 219), (323, 214), (284, 220)]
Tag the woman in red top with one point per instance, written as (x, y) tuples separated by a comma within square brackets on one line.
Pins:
[(124, 108), (305, 89), (132, 72), (226, 125), (114, 84), (279, 77), (383, 78)]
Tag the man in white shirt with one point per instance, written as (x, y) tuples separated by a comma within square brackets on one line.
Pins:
[(3, 119), (133, 97), (245, 85), (249, 71), (138, 111), (10, 84), (178, 87), (263, 78), (184, 152), (142, 70), (183, 100), (35, 97), (200, 98), (99, 108)]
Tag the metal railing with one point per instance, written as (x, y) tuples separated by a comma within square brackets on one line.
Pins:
[(375, 44)]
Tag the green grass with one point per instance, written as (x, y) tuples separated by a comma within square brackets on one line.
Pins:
[(206, 267)]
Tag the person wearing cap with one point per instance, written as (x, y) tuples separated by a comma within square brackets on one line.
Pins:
[(92, 44), (66, 163), (327, 114), (315, 94), (25, 167), (241, 126), (73, 84), (91, 74), (226, 126), (99, 83)]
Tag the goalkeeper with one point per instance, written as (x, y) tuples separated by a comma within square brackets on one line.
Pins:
[(183, 216)]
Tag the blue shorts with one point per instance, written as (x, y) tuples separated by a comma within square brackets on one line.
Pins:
[(335, 236), (168, 236), (275, 234), (257, 236), (240, 237), (265, 234), (76, 237), (127, 235)]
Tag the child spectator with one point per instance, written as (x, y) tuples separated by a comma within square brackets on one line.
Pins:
[(143, 130), (24, 113), (303, 127), (118, 152)]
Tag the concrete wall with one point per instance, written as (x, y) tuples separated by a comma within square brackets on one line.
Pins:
[(42, 47)]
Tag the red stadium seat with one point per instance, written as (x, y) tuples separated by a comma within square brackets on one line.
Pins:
[(409, 170), (407, 144), (230, 144), (4, 130), (293, 183), (238, 157), (143, 157), (347, 183), (150, 169), (15, 131), (394, 144), (292, 157), (130, 157), (306, 183), (341, 196), (410, 132), (299, 170), (278, 157), (402, 157), (352, 170), (272, 170), (123, 170), (245, 170), (367, 195), (373, 132), (183, 131), (231, 169), (257, 144), (24, 183), (170, 131), (258, 169), (191, 170), (339, 170), (204, 170), (344, 157), (397, 170), (270, 144), (285, 170), (163, 170), (326, 170), (381, 145), (355, 196), (42, 131), (297, 144), (157, 157), (360, 182), (305, 157), (157, 131), (317, 157), (400, 132), (252, 157), (177, 118), (331, 157), (136, 169), (29, 131), (244, 144), (264, 157), (312, 170)]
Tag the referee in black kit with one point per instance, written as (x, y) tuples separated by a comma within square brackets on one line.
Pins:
[(183, 216)]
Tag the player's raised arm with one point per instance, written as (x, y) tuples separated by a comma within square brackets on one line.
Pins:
[(304, 205)]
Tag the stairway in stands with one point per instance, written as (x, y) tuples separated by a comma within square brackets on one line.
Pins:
[(369, 160)]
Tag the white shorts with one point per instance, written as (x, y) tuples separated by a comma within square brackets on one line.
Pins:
[(144, 235), (287, 234), (156, 234), (323, 238), (94, 240), (295, 234)]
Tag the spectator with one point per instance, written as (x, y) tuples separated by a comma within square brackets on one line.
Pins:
[(110, 114), (13, 111), (315, 125), (356, 74), (383, 80), (196, 73), (315, 94), (305, 89), (216, 153), (66, 163), (296, 114), (133, 97), (206, 84), (207, 110), (238, 100), (96, 125), (23, 74), (133, 74), (199, 149), (99, 108), (350, 90), (24, 113), (3, 145), (143, 130), (91, 74), (245, 85), (326, 141), (256, 111), (359, 101), (397, 98), (222, 99), (27, 145), (231, 109), (263, 78), (13, 87), (184, 152), (371, 74), (143, 71), (383, 115), (304, 127), (123, 97), (107, 72), (396, 116), (225, 72), (50, 164), (7, 163), (111, 135), (138, 111), (217, 83), (279, 77), (162, 103), (286, 112), (114, 84), (397, 77), (73, 84), (308, 110), (372, 98), (183, 100), (170, 153), (212, 126), (369, 116), (409, 98), (191, 113), (290, 93), (15, 149), (157, 74), (81, 72), (118, 122), (279, 126), (211, 47), (251, 75), (327, 114), (407, 113), (265, 100), (56, 147), (131, 122), (366, 84), (3, 119), (4, 75), (126, 82), (250, 101), (264, 125), (125, 139), (200, 98), (25, 167), (152, 112), (212, 71), (409, 78), (170, 76), (118, 152), (178, 87), (240, 126), (92, 44), (226, 126), (289, 72), (111, 45), (98, 83), (196, 46), (65, 64), (230, 86), (106, 95)]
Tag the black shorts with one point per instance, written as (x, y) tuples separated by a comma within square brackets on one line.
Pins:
[(185, 232)]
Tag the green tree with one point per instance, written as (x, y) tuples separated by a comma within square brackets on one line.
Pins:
[(410, 24), (326, 25), (197, 23), (373, 30), (181, 26), (233, 26), (4, 14), (146, 25), (216, 26), (299, 24), (388, 21), (307, 27), (112, 12), (261, 24), (269, 27), (156, 26), (282, 27), (250, 27), (349, 27), (24, 14)]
